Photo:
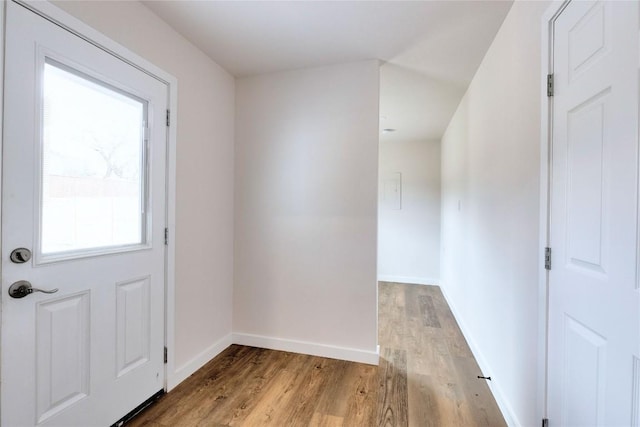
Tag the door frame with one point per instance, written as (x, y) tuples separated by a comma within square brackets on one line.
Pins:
[(61, 18), (546, 141)]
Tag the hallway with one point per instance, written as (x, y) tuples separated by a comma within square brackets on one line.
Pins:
[(427, 377), (425, 359)]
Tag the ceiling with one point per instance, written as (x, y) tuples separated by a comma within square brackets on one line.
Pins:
[(430, 49)]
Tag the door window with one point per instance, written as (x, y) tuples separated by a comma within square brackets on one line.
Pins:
[(93, 186)]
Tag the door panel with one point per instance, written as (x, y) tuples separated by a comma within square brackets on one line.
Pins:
[(589, 39), (132, 311), (62, 352), (584, 371), (84, 155), (594, 309), (587, 237)]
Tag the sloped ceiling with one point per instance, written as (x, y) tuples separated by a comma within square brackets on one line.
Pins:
[(430, 50)]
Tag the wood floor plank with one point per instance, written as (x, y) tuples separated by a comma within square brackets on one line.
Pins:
[(412, 303), (305, 394), (423, 402), (432, 358), (477, 393), (392, 402), (324, 420), (364, 397), (272, 399), (428, 312), (245, 389), (393, 331), (452, 409), (217, 390), (334, 400), (427, 377)]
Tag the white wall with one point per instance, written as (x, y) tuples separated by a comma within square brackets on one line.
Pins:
[(205, 136), (306, 204), (409, 238), (491, 167)]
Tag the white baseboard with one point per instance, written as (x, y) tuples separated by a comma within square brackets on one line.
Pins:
[(183, 372), (303, 347), (409, 279), (503, 402)]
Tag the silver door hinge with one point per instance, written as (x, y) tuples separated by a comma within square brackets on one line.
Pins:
[(547, 258), (168, 118), (165, 355), (549, 84), (166, 236), (545, 422)]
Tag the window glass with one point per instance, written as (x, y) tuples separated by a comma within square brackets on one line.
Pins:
[(93, 168)]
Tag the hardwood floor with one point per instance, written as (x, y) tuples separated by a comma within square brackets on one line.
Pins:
[(435, 371), (427, 377)]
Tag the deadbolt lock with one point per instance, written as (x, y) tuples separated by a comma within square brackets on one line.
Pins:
[(20, 255)]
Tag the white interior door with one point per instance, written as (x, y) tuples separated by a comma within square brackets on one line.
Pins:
[(594, 318), (84, 191)]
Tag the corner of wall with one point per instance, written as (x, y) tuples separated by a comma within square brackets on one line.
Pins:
[(183, 372)]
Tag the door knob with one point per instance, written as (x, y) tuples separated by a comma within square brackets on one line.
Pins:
[(22, 288)]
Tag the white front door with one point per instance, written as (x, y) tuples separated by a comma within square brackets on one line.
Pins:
[(83, 190), (594, 310)]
